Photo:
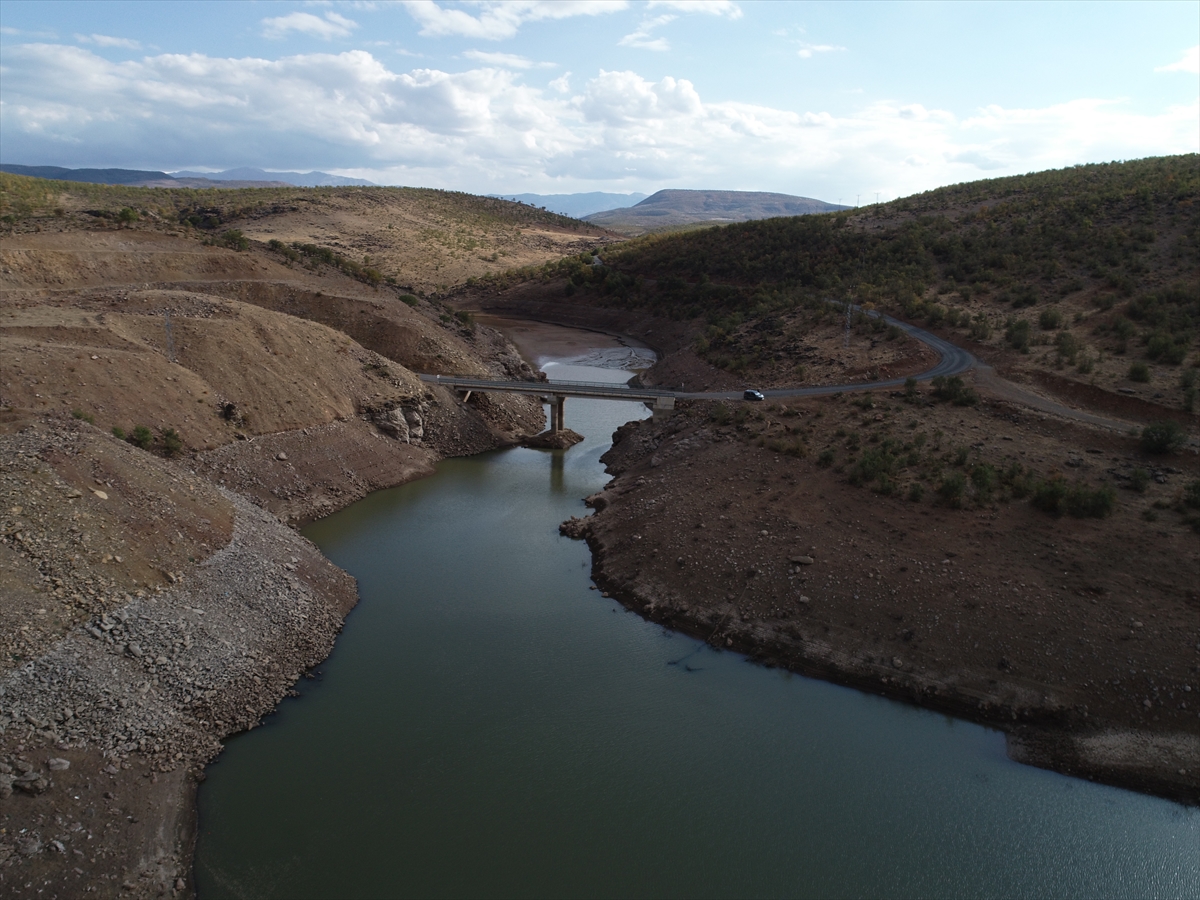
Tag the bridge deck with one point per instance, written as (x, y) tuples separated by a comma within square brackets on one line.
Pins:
[(553, 388)]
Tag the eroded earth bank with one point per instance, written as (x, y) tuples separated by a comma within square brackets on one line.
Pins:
[(169, 406)]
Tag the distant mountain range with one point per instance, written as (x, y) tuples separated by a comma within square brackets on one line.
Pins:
[(676, 208), (575, 205), (243, 177), (299, 179)]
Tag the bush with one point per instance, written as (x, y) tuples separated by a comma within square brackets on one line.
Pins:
[(1055, 496), (1016, 332), (952, 489), (172, 442), (916, 491), (826, 458), (1139, 372), (82, 416), (1067, 345), (127, 215), (1139, 480), (409, 299), (1191, 495), (953, 390), (1050, 319), (981, 328), (1163, 437), (1048, 495), (984, 477), (118, 432), (234, 240), (142, 437), (1085, 503)]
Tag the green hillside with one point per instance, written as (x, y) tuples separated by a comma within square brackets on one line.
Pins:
[(1092, 262)]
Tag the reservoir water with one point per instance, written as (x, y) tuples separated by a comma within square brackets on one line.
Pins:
[(489, 725)]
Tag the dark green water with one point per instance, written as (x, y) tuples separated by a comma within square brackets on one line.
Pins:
[(489, 726)]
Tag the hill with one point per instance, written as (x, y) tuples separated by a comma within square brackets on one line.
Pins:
[(1081, 279), (577, 206), (89, 176), (670, 209), (424, 240), (299, 179)]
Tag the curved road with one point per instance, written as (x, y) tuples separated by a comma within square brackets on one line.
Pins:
[(954, 361)]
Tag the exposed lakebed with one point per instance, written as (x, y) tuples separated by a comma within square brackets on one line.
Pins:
[(490, 725)]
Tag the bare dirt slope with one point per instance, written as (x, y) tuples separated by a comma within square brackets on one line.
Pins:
[(152, 599)]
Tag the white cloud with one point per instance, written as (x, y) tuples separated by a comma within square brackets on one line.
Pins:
[(484, 130), (328, 28), (1189, 62), (500, 19), (641, 39), (562, 83), (104, 40), (506, 60), (725, 8), (806, 51)]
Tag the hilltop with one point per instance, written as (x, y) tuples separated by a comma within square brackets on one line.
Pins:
[(675, 209), (424, 240)]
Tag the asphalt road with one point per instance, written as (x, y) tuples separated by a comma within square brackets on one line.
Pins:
[(953, 360)]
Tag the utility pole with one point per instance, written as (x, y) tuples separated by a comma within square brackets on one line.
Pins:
[(877, 198), (857, 198)]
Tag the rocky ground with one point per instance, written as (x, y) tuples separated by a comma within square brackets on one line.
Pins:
[(752, 526), (153, 600)]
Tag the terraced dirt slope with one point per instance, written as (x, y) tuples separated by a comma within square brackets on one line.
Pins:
[(171, 399)]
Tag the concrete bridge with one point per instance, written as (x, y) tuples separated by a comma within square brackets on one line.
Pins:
[(557, 392), (952, 360)]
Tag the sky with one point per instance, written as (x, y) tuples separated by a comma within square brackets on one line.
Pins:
[(845, 102)]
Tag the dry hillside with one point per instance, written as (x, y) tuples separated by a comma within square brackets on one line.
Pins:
[(172, 395)]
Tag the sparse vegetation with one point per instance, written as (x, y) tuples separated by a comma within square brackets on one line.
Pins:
[(1163, 437), (142, 437)]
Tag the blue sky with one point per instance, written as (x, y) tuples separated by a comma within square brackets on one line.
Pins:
[(830, 100)]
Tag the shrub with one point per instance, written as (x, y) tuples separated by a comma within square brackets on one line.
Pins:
[(1139, 372), (1139, 480), (916, 491), (142, 437), (1163, 437), (952, 489), (127, 215), (1016, 332), (954, 390), (1067, 345), (984, 477), (234, 240), (981, 328), (1049, 495), (118, 432), (85, 417), (1083, 502), (960, 456), (172, 442), (1191, 495), (409, 299), (1050, 319), (826, 458)]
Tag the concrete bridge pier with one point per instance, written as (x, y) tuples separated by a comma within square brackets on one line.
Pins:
[(663, 407), (557, 407)]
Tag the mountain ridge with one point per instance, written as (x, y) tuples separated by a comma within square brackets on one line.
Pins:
[(675, 207)]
